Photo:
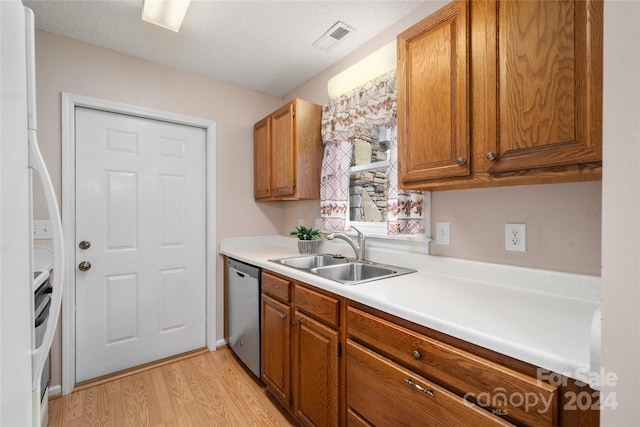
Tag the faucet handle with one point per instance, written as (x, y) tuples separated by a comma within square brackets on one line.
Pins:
[(360, 234)]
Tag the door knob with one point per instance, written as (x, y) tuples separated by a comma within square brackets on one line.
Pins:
[(85, 244), (84, 265)]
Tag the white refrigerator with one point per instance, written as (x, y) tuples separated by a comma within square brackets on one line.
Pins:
[(21, 363)]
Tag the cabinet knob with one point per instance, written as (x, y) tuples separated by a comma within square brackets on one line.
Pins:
[(491, 156), (295, 323), (416, 355), (461, 161), (85, 244), (84, 266)]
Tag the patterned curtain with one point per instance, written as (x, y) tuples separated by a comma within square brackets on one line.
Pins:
[(404, 207), (362, 112)]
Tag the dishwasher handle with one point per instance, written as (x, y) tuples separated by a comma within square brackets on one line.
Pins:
[(242, 269)]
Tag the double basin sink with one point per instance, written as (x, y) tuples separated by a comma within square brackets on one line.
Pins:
[(347, 271)]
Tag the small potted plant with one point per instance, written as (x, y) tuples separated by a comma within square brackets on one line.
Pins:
[(308, 239)]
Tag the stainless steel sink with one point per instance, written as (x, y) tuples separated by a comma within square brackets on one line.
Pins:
[(348, 271), (354, 272), (308, 262)]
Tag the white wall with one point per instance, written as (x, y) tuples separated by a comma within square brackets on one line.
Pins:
[(70, 66), (621, 211)]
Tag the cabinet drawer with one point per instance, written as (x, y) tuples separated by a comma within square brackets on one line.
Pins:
[(322, 307), (277, 287), (523, 398), (386, 394)]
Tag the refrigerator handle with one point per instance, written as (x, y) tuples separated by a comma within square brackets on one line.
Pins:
[(31, 70), (36, 163)]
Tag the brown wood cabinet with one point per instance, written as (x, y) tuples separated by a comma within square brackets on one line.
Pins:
[(461, 372), (301, 354), (315, 376), (262, 159), (335, 362), (288, 153), (276, 336), (407, 362), (433, 96), (386, 394), (532, 91)]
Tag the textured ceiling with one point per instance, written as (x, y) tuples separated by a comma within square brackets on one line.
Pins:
[(261, 45)]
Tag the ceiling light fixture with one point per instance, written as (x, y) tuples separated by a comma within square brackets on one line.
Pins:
[(333, 35), (165, 13)]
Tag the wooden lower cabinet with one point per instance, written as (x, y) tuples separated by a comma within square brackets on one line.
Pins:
[(460, 371), (301, 348), (335, 362), (386, 394), (315, 374), (276, 350)]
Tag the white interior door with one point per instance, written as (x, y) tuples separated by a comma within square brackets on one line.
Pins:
[(140, 204)]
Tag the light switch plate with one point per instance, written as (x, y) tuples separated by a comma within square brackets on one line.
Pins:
[(443, 233)]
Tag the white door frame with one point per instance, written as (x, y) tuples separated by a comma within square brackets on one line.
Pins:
[(69, 103)]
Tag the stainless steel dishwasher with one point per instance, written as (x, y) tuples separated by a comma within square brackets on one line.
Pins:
[(244, 313)]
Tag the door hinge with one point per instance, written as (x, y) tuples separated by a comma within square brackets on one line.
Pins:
[(293, 113), (293, 184), (339, 349)]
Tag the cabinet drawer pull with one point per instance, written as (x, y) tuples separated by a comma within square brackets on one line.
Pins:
[(416, 355), (491, 156), (409, 382), (283, 316)]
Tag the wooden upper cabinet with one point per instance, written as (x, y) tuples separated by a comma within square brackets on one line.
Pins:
[(283, 150), (288, 153), (433, 96), (262, 158), (501, 92), (544, 63)]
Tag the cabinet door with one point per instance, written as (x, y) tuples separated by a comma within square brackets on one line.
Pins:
[(262, 158), (315, 400), (433, 97), (544, 62), (283, 151), (276, 349)]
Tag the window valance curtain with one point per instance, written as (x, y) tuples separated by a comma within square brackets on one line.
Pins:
[(362, 112)]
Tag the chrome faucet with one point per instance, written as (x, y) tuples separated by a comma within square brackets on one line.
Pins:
[(358, 247)]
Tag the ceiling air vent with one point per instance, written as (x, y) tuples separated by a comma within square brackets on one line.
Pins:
[(333, 35)]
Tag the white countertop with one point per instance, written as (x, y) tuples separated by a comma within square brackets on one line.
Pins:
[(541, 317)]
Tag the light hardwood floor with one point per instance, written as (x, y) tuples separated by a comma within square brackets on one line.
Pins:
[(211, 389)]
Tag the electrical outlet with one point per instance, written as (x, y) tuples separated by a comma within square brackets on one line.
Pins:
[(443, 233), (42, 230), (515, 237)]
